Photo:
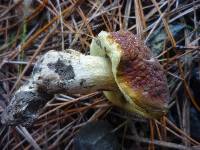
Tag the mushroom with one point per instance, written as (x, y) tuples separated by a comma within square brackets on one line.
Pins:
[(119, 64)]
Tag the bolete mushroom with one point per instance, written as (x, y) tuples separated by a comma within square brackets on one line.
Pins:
[(119, 64)]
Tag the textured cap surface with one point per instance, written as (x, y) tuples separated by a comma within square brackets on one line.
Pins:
[(139, 76)]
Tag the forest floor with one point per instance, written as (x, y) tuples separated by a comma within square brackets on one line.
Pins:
[(28, 29)]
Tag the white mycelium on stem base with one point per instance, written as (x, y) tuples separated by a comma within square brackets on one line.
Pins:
[(122, 66)]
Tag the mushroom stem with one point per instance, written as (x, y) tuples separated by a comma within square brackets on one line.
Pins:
[(72, 72), (58, 72)]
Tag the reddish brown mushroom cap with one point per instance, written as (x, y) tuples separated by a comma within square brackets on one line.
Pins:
[(142, 73), (139, 75)]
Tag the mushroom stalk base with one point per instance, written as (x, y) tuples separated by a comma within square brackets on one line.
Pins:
[(58, 72)]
